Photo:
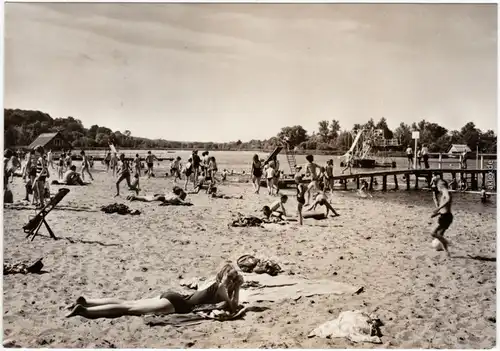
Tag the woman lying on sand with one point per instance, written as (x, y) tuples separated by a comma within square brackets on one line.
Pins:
[(225, 290), (176, 197)]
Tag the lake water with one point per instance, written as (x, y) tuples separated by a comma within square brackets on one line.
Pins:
[(239, 161)]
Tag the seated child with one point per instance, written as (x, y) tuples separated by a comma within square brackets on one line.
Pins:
[(364, 189), (277, 208), (71, 177), (484, 196), (134, 185)]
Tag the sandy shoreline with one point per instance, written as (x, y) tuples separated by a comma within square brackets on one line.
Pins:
[(424, 299)]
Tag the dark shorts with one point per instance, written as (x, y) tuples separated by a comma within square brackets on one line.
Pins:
[(410, 157), (32, 172), (301, 200), (257, 172), (180, 302), (107, 162), (445, 220), (150, 165)]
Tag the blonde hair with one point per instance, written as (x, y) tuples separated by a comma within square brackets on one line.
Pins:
[(229, 275)]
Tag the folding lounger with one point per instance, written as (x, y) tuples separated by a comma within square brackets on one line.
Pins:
[(36, 222)]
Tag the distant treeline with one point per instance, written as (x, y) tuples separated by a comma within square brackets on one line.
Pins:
[(21, 127)]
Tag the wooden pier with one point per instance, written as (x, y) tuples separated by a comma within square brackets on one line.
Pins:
[(475, 178)]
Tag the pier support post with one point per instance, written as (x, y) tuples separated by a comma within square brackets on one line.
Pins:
[(384, 182), (357, 183), (371, 183), (407, 176), (416, 180), (440, 161), (345, 183), (396, 187), (473, 181), (484, 179)]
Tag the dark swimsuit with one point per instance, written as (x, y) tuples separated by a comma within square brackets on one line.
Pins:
[(186, 303), (445, 220), (300, 196), (257, 171)]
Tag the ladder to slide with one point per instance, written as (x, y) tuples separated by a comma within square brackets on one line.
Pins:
[(292, 162)]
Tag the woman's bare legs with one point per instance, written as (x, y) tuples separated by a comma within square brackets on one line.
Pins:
[(113, 308), (258, 185)]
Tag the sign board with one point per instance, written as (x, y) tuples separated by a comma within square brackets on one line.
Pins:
[(415, 135)]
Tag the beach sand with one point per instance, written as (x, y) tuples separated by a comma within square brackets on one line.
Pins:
[(424, 299)]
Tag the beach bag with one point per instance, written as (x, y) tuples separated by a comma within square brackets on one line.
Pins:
[(8, 198)]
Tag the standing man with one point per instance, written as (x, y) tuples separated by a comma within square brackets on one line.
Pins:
[(196, 166), (49, 159), (150, 158), (443, 210), (409, 155), (425, 156)]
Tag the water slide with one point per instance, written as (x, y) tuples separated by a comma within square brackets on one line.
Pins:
[(353, 146)]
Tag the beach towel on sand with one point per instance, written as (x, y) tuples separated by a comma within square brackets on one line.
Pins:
[(355, 326), (263, 287), (120, 209), (252, 221), (23, 268)]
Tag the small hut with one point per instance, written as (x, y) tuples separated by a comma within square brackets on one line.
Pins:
[(458, 149), (50, 141)]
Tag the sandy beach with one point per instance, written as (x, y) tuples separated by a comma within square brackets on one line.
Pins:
[(383, 244)]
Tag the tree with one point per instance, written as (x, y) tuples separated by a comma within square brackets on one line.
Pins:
[(382, 124), (324, 131), (334, 129), (295, 135), (370, 124), (403, 133), (470, 135)]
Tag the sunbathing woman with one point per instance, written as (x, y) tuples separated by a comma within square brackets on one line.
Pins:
[(224, 291), (176, 197)]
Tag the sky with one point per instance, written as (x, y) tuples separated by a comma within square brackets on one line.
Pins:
[(223, 72)]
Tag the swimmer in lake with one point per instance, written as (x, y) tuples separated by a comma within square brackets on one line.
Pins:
[(224, 292), (443, 210)]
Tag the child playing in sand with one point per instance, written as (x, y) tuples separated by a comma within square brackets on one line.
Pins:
[(484, 195), (312, 169), (134, 186), (224, 292), (443, 210), (71, 177), (364, 188), (85, 166), (322, 200), (123, 174), (278, 207), (224, 175), (137, 165)]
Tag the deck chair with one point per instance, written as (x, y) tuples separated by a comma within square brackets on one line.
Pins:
[(36, 222)]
